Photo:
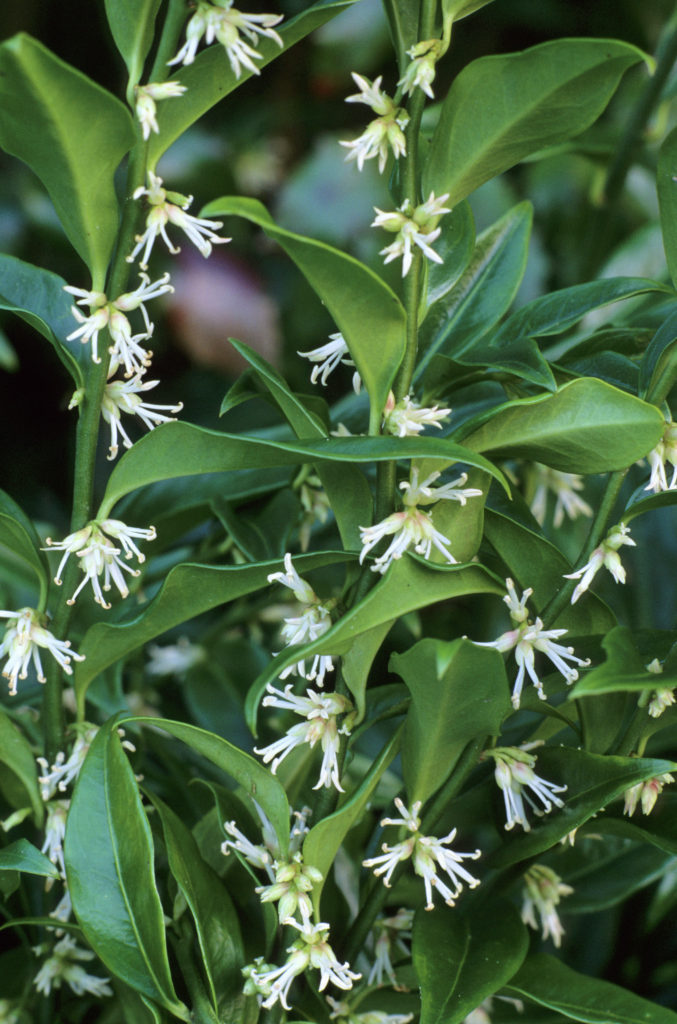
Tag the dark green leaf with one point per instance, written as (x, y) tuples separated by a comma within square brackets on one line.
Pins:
[(132, 24), (458, 9), (624, 669), (17, 757), (461, 960), (500, 109), (109, 864), (658, 369), (403, 19), (79, 134), (586, 427), (667, 200), (18, 534), (459, 692), (551, 983), (23, 856), (361, 304), (455, 247)]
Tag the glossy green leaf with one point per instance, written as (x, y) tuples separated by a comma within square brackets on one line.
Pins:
[(458, 9), (458, 692), (556, 312), (659, 828), (455, 248), (358, 659), (461, 960), (187, 591), (361, 304), (592, 781), (181, 449), (216, 923), (626, 868), (586, 427), (500, 109), (403, 19), (658, 369), (132, 24), (324, 839), (667, 200), (549, 982), (17, 758), (210, 77), (109, 865), (641, 505), (623, 669), (18, 534), (37, 296), (23, 856), (484, 291), (346, 486), (409, 584), (69, 116)]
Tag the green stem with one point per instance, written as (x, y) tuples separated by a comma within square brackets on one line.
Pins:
[(412, 297), (597, 531), (177, 12)]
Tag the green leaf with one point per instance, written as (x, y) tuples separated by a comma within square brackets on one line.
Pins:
[(549, 982), (18, 534), (455, 248), (658, 369), (659, 828), (216, 923), (18, 758), (187, 591), (501, 109), (667, 200), (324, 839), (132, 24), (623, 869), (408, 585), (181, 449), (109, 865), (459, 692), (586, 427), (592, 781), (23, 856), (458, 9), (249, 773), (624, 669), (79, 134), (357, 661), (346, 486), (210, 77), (484, 291), (556, 312), (37, 296), (461, 960), (361, 304), (403, 19)]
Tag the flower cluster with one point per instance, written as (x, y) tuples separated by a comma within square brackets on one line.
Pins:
[(420, 72), (146, 98), (292, 883), (514, 774), (321, 712), (605, 555), (565, 487), (385, 134), (646, 794), (313, 623), (543, 890), (392, 933), (412, 527), (221, 22), (98, 546), (342, 1013), (428, 854), (664, 452), (413, 226), (24, 636), (407, 418), (62, 966), (327, 358), (528, 637)]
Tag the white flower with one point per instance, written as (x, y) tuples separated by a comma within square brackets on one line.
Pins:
[(293, 881), (411, 527), (392, 933), (320, 712), (221, 22), (124, 396), (23, 638), (428, 854), (647, 793), (257, 856), (514, 774), (170, 208), (94, 545), (420, 73), (66, 770), (174, 659), (342, 1013), (413, 226), (663, 697), (385, 134), (307, 627), (55, 831), (407, 418), (665, 451), (62, 966), (10, 1013), (311, 949), (315, 503), (542, 893), (527, 638), (327, 357), (565, 488), (146, 96), (605, 555)]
